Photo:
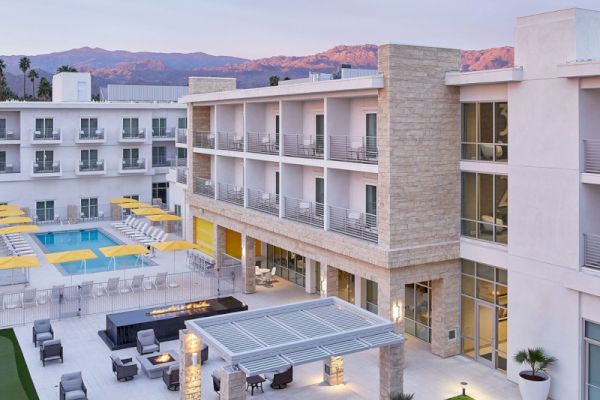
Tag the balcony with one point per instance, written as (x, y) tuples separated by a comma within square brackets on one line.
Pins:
[(181, 136), (91, 167), (361, 149), (47, 136), (204, 187), (591, 251), (205, 140), (263, 143), (133, 165), (230, 193), (306, 146), (182, 175), (167, 134), (231, 141), (307, 212), (88, 135), (46, 168), (9, 168), (133, 135), (263, 201), (353, 223), (161, 162), (591, 154), (9, 136)]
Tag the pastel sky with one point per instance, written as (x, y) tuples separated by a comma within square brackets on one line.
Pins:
[(258, 28)]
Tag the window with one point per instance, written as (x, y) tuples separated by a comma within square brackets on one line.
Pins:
[(417, 310), (159, 156), (89, 126), (485, 206), (89, 158), (319, 196), (131, 158), (44, 210), (159, 127), (371, 135), (159, 191), (592, 360), (89, 207), (2, 127), (371, 200), (277, 183), (2, 161), (372, 293), (127, 211), (177, 209), (320, 133), (288, 265), (44, 161), (181, 123), (181, 153), (44, 127), (485, 131), (131, 127), (277, 123)]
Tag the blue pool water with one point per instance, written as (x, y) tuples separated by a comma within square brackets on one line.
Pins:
[(91, 239)]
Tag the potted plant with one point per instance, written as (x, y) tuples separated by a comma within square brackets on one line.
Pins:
[(402, 396), (534, 383)]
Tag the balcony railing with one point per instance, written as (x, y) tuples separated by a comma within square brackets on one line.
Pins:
[(231, 193), (9, 168), (182, 136), (9, 135), (353, 223), (46, 167), (162, 162), (206, 140), (265, 143), (91, 134), (133, 134), (91, 165), (591, 251), (133, 163), (304, 146), (182, 175), (46, 134), (263, 201), (362, 149), (591, 152), (307, 212), (164, 133), (181, 162), (204, 187), (231, 141)]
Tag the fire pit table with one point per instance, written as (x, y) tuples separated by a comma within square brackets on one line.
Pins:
[(154, 364)]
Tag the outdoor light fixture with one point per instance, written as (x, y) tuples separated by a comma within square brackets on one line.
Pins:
[(397, 311), (464, 388)]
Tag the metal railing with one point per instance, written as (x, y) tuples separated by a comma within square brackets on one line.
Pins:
[(263, 201), (591, 154), (182, 175), (72, 214), (91, 134), (206, 140), (361, 149), (304, 146), (353, 223), (230, 193), (591, 251), (133, 133), (181, 162), (91, 165), (231, 141), (164, 133), (46, 134), (204, 187), (133, 163), (163, 162), (46, 167), (9, 168), (307, 212), (265, 143), (28, 305), (181, 136), (9, 135)]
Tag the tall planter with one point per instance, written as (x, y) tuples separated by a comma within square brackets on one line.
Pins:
[(534, 388)]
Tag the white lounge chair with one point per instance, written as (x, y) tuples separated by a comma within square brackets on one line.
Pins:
[(160, 281), (29, 298), (137, 283), (123, 223), (112, 286)]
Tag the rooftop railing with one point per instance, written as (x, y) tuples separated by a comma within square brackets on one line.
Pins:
[(353, 223), (263, 201), (307, 212), (133, 133), (307, 146), (46, 134), (362, 149), (182, 136), (591, 153), (264, 143), (7, 134), (231, 141), (163, 133), (591, 251), (9, 168), (91, 134), (46, 167), (204, 187), (133, 163), (205, 140), (230, 193), (91, 165)]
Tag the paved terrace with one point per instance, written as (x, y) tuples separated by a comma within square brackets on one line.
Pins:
[(427, 375)]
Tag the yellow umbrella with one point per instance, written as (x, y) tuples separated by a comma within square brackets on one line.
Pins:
[(15, 220), (148, 211), (19, 229), (122, 200), (7, 207), (174, 245), (14, 212), (73, 255), (122, 251), (135, 205), (165, 217), (19, 262)]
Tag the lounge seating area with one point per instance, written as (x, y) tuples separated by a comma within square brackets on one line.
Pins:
[(125, 369), (140, 231), (278, 380), (72, 387), (15, 245)]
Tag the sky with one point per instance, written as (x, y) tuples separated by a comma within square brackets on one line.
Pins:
[(260, 28)]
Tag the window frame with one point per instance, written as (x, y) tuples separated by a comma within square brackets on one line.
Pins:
[(479, 144)]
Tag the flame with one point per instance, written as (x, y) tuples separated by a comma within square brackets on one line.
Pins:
[(182, 307), (163, 358)]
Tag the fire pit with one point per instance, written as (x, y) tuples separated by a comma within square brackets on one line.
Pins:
[(180, 308), (154, 364), (161, 359)]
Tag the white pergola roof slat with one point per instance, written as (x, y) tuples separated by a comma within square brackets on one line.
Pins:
[(305, 356), (347, 347)]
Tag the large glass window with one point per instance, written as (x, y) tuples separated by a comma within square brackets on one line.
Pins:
[(485, 131), (288, 265), (371, 134), (485, 206), (89, 207), (131, 127), (346, 286), (592, 362), (89, 158), (372, 294), (44, 210), (2, 161), (159, 156), (159, 127), (89, 126), (44, 127), (160, 190), (131, 158), (182, 123), (417, 310)]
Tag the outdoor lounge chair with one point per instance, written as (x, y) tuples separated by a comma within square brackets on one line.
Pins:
[(29, 298), (128, 220), (42, 331), (51, 350), (112, 286), (137, 283), (72, 387), (160, 281), (125, 369), (280, 379), (86, 290), (147, 342), (170, 377)]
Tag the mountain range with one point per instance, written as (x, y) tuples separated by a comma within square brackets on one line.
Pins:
[(119, 66)]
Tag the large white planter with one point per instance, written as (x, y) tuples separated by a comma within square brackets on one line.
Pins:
[(534, 390)]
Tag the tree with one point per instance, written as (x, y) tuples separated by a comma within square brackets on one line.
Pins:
[(24, 64), (66, 68), (273, 80), (44, 89), (2, 67), (32, 75), (536, 358)]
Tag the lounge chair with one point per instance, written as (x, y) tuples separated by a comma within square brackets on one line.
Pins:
[(139, 231), (86, 290), (147, 342), (125, 369), (29, 298), (137, 283), (281, 378), (51, 350), (72, 387), (123, 223), (42, 331), (160, 281), (112, 286), (133, 228), (171, 377)]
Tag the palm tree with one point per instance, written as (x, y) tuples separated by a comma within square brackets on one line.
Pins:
[(24, 64), (32, 75), (2, 67), (66, 68), (44, 89), (536, 358), (273, 80)]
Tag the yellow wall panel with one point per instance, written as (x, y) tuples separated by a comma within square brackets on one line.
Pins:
[(233, 243), (204, 236)]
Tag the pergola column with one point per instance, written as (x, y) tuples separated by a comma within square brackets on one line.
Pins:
[(233, 383), (391, 370), (333, 370), (445, 315), (190, 366), (249, 263)]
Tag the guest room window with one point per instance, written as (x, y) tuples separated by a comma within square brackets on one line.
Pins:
[(485, 131)]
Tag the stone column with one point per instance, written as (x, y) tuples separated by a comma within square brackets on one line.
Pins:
[(311, 276), (323, 279), (331, 284), (190, 367), (360, 291), (333, 370), (233, 383), (391, 370), (219, 245), (249, 263), (390, 299), (445, 315)]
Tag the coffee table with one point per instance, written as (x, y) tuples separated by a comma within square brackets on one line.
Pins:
[(253, 382), (154, 371)]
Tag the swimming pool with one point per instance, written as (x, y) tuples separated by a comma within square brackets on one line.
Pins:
[(91, 239)]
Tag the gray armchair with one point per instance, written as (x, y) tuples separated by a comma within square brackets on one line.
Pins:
[(51, 350), (42, 331), (171, 377), (147, 342), (280, 379), (204, 354), (125, 369), (72, 387)]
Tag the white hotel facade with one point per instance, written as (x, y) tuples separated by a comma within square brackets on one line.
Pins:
[(462, 205)]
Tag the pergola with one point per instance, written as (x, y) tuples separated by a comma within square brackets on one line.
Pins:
[(274, 338)]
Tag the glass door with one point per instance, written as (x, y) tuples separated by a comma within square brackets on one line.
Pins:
[(346, 286), (485, 334), (320, 133), (371, 135), (319, 196)]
